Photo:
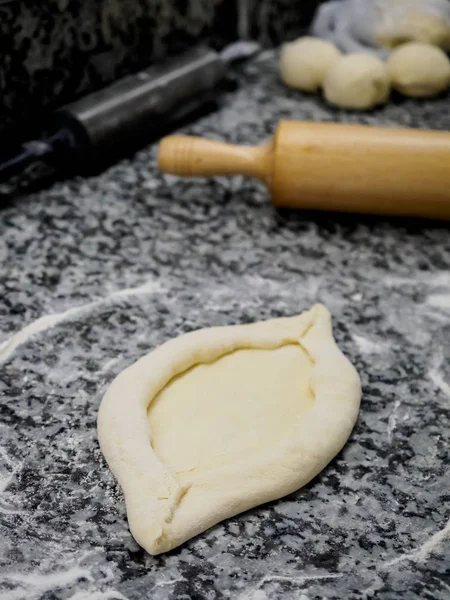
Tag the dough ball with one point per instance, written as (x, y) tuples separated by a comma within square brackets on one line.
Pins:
[(304, 62), (416, 26), (357, 81), (419, 70)]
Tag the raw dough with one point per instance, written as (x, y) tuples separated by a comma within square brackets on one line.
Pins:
[(419, 70), (357, 81), (220, 420), (364, 25), (405, 21), (305, 61)]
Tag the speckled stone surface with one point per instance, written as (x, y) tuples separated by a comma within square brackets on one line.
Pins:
[(131, 258)]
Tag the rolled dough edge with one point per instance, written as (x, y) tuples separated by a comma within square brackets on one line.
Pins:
[(163, 515)]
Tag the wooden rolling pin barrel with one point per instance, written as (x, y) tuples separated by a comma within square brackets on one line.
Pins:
[(329, 166)]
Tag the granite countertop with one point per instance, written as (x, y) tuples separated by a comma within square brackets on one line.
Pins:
[(97, 272)]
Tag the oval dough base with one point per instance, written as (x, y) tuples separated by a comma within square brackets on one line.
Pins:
[(233, 406), (220, 420)]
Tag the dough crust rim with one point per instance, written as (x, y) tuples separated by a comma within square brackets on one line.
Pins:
[(161, 513)]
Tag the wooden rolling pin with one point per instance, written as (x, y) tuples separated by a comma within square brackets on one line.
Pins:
[(323, 166)]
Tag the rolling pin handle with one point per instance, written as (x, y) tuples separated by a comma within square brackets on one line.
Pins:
[(197, 157)]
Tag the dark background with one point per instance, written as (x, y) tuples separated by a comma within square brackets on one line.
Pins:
[(54, 51)]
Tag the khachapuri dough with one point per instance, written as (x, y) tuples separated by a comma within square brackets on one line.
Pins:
[(304, 62), (358, 82), (220, 420), (419, 70)]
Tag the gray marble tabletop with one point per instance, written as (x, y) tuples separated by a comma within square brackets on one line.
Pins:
[(97, 272)]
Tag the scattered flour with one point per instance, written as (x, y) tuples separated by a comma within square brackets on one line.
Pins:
[(423, 552), (48, 321), (434, 279), (439, 381), (34, 585), (439, 301), (366, 346), (255, 593), (393, 419), (109, 595)]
